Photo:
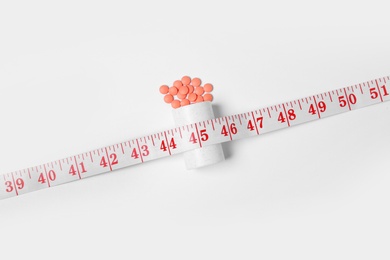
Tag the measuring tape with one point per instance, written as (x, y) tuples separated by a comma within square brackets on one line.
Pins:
[(193, 136)]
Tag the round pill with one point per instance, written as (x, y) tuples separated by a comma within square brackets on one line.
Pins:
[(183, 90), (208, 87), (181, 96), (208, 97), (196, 82), (186, 80), (190, 89), (192, 97), (199, 91), (199, 99), (168, 98), (175, 104), (164, 89), (184, 102), (177, 83), (173, 90)]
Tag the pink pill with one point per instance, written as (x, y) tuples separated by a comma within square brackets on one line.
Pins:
[(181, 96), (192, 97), (208, 97), (184, 102), (175, 104), (208, 87), (190, 89), (168, 98), (199, 99), (196, 82), (173, 90), (183, 90), (164, 89), (177, 83), (199, 91), (186, 80)]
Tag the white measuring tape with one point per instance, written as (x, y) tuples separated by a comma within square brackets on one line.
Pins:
[(193, 136)]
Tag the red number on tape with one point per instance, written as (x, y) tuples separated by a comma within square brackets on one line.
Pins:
[(250, 126), (224, 132), (291, 114), (260, 121), (114, 158), (172, 144), (203, 135), (281, 117), (103, 162), (145, 150), (312, 110), (321, 106), (72, 170), (82, 167), (52, 175), (351, 97), (342, 101), (385, 93), (193, 138), (135, 154), (42, 178), (19, 183), (233, 129), (10, 188), (163, 146), (374, 93)]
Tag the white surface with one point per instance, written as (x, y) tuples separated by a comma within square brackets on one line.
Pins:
[(205, 156), (81, 75)]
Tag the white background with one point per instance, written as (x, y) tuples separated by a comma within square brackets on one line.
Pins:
[(79, 75)]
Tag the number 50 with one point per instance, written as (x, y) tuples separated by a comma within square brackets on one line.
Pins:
[(351, 98)]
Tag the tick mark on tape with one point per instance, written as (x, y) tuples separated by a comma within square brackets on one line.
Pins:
[(16, 188), (346, 96), (315, 102), (47, 178), (379, 91), (139, 150), (108, 159), (77, 167)]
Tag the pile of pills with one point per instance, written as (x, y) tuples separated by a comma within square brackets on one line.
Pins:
[(186, 91)]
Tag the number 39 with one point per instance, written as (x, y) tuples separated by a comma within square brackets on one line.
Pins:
[(10, 187)]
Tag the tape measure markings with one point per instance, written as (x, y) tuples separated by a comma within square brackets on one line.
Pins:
[(193, 136)]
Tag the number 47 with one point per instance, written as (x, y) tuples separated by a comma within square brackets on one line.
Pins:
[(251, 126)]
